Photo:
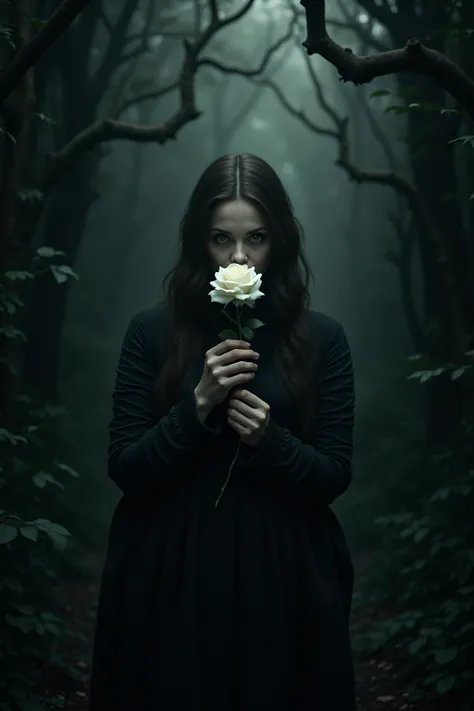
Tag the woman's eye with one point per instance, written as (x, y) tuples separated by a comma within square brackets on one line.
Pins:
[(256, 238)]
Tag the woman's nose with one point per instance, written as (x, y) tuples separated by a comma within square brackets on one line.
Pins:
[(239, 257)]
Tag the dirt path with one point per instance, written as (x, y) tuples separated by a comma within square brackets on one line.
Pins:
[(380, 682)]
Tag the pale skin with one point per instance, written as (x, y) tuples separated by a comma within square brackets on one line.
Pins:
[(239, 235), (248, 415)]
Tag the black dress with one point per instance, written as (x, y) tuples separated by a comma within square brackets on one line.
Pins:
[(240, 608)]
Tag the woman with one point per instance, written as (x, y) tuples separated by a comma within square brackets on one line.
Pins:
[(243, 607)]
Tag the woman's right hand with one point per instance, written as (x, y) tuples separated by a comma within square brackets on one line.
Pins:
[(227, 365)]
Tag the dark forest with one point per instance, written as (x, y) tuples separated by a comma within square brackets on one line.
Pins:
[(109, 112)]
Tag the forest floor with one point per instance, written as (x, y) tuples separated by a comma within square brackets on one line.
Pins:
[(382, 681)]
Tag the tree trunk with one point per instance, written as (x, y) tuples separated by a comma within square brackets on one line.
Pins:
[(434, 173), (466, 56), (64, 226), (67, 208), (434, 168), (17, 115)]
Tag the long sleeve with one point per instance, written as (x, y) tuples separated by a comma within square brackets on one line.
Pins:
[(321, 471), (142, 451)]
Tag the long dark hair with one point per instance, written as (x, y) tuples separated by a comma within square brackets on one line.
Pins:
[(287, 279)]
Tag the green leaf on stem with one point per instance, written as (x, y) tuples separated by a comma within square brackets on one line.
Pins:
[(30, 532), (445, 684), (228, 333), (7, 532), (253, 323), (48, 252)]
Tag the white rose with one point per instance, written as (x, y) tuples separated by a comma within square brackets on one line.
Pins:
[(236, 283)]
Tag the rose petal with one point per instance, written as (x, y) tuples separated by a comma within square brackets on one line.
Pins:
[(220, 297), (237, 283)]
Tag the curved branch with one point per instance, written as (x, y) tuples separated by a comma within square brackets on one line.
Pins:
[(150, 95), (143, 38), (257, 71), (109, 129), (414, 57), (34, 50), (153, 94), (422, 215), (120, 103), (113, 53)]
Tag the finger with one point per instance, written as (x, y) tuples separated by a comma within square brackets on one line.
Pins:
[(233, 355), (235, 381), (242, 431), (239, 418), (228, 345), (250, 399), (242, 407), (242, 366)]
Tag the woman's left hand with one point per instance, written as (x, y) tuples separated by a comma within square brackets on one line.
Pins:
[(248, 416)]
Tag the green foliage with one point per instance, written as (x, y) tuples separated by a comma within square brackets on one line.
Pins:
[(6, 37), (10, 301), (465, 140), (228, 333), (44, 118), (11, 526), (435, 370), (424, 572), (31, 544), (420, 106), (405, 107), (61, 272), (30, 195), (246, 329), (29, 548)]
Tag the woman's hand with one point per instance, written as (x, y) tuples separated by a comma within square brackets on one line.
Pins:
[(227, 365), (248, 415)]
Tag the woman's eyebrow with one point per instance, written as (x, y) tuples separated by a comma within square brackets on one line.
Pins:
[(226, 232)]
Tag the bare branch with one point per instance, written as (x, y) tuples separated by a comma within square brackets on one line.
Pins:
[(257, 71), (158, 93), (120, 103), (109, 129), (112, 56), (34, 50), (130, 56), (379, 134), (105, 19), (150, 95), (414, 57), (244, 110), (143, 38), (214, 11), (403, 187)]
